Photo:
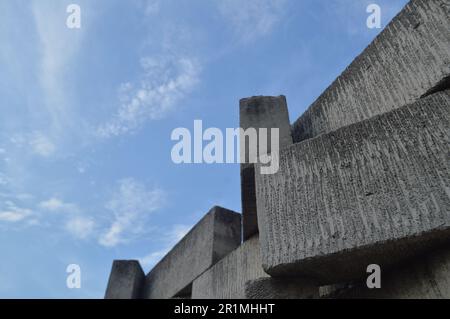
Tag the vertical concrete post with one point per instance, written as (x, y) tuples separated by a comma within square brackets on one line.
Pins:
[(257, 113), (125, 281)]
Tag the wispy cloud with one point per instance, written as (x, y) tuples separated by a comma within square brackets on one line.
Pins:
[(57, 205), (130, 206), (36, 143), (80, 227), (164, 82), (151, 7), (252, 19), (58, 48), (14, 214), (42, 145)]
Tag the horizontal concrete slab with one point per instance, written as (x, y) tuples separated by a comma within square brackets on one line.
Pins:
[(375, 192), (125, 281), (409, 59), (216, 235), (227, 278), (426, 277)]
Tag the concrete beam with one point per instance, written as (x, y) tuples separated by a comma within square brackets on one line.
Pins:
[(260, 112), (285, 288), (216, 235), (426, 277), (125, 281), (227, 278), (375, 192), (409, 59)]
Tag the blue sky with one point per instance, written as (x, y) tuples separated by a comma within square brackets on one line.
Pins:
[(86, 175)]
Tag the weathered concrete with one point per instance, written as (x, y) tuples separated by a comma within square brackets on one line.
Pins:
[(259, 112), (227, 278), (216, 235), (125, 281), (426, 277), (276, 288), (409, 59), (375, 192)]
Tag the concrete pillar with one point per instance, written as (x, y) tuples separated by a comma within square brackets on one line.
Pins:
[(259, 112), (125, 281)]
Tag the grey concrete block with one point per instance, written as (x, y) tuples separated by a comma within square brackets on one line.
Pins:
[(260, 112), (426, 277), (125, 281), (285, 288), (409, 59), (227, 278), (375, 192), (217, 234)]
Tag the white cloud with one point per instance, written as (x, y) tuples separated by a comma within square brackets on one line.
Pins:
[(37, 142), (58, 47), (57, 205), (252, 19), (80, 227), (14, 214), (113, 236), (165, 81), (11, 216), (130, 205), (151, 7), (3, 179), (42, 145)]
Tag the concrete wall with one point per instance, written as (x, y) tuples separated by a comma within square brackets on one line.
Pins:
[(367, 183), (409, 59), (373, 192), (227, 278), (217, 234)]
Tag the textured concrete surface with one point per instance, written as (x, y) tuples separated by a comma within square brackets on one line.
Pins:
[(409, 59), (227, 278), (216, 235), (426, 277), (125, 281), (276, 288), (260, 112), (375, 192)]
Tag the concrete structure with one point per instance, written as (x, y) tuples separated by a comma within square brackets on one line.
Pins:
[(367, 182), (255, 113), (126, 280), (227, 278), (372, 192)]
